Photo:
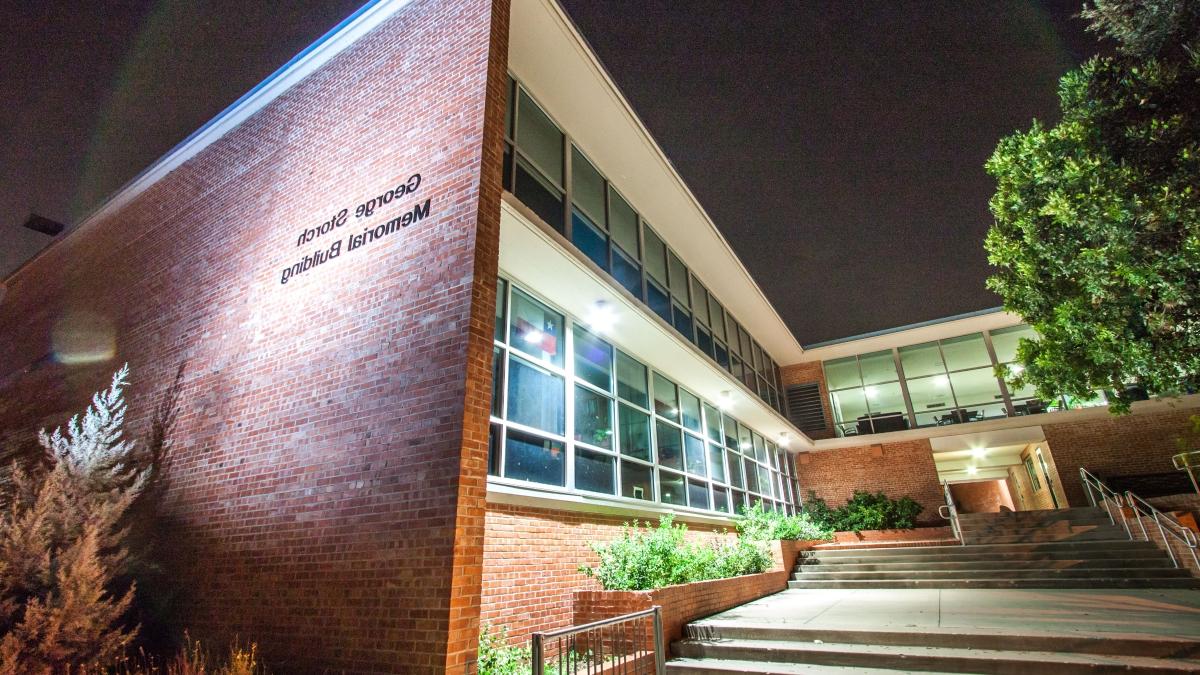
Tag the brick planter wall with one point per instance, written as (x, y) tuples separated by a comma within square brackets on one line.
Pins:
[(684, 603)]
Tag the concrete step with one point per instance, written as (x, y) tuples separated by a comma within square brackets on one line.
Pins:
[(1059, 526), (1036, 517), (765, 653), (1045, 536), (1079, 548), (1043, 582), (725, 666), (1002, 573), (1119, 644), (1146, 562)]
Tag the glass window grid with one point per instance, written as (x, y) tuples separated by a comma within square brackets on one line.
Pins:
[(841, 425), (770, 494), (677, 312), (1013, 405)]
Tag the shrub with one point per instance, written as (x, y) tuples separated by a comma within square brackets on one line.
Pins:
[(62, 545), (864, 511), (759, 524), (645, 559), (496, 657)]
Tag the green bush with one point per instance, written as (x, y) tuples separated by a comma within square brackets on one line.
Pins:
[(864, 511), (645, 559), (759, 524), (496, 657)]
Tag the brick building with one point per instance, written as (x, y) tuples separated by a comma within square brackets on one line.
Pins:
[(363, 470)]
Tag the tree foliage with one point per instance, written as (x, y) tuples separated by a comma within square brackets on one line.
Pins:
[(1096, 239), (62, 546)]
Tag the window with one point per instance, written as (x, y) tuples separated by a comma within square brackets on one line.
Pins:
[(865, 394), (535, 329)]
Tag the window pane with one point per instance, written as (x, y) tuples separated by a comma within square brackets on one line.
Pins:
[(542, 198), (967, 351), (635, 433), (637, 481), (528, 457), (842, 373), (589, 239), (627, 273), (631, 380), (588, 187), (921, 360), (535, 397), (849, 404), (622, 223), (536, 329), (594, 472), (735, 468), (494, 432), (760, 450), (974, 387), (698, 495), (497, 381), (731, 330), (690, 405), (704, 340), (683, 321), (885, 398), (764, 481), (670, 446), (716, 462), (1005, 340), (712, 423), (930, 394), (657, 300), (593, 359), (721, 354), (745, 440), (671, 489), (666, 398), (593, 418), (751, 475), (679, 278), (731, 439), (745, 337), (500, 300), (716, 315), (539, 138), (656, 256), (878, 367), (694, 453), (720, 499), (700, 302)]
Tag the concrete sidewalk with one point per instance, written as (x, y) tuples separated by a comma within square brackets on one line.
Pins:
[(1166, 613)]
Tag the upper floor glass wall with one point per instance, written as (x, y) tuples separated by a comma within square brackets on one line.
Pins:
[(948, 381), (571, 412), (553, 177)]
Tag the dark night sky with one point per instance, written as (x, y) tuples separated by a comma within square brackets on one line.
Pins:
[(838, 145)]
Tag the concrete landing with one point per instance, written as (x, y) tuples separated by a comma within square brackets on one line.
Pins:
[(1148, 612)]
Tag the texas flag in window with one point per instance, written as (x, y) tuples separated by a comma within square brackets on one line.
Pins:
[(533, 336)]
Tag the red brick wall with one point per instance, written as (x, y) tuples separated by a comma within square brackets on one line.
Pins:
[(1113, 446), (327, 486), (531, 560), (901, 469), (985, 496), (802, 373)]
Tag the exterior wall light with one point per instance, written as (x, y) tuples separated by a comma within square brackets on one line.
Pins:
[(601, 317), (784, 439), (725, 400), (971, 470)]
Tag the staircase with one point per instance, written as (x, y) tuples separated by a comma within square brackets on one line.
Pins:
[(1066, 549)]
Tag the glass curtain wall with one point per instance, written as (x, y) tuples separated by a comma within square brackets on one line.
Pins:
[(949, 381), (557, 181), (570, 411)]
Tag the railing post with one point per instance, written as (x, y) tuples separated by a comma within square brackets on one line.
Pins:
[(660, 656), (539, 660)]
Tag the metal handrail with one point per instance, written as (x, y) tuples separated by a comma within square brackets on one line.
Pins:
[(620, 636), (1185, 461), (1165, 523), (1172, 526), (951, 514), (1111, 500)]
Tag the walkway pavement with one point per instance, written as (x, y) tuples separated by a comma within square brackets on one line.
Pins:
[(1011, 611)]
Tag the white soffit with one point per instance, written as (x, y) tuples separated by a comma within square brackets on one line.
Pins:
[(531, 258), (554, 62), (998, 438), (913, 336)]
